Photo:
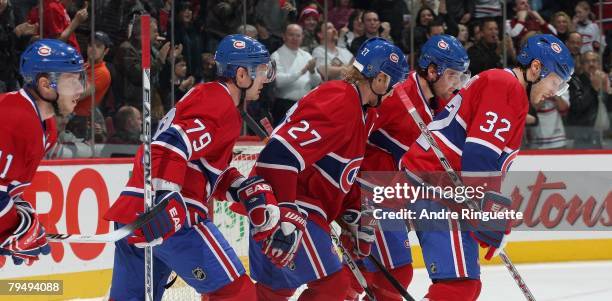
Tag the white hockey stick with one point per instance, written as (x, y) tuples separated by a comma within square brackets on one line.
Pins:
[(111, 236), (458, 183), (145, 41)]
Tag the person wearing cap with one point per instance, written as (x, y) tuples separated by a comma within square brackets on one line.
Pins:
[(309, 18), (79, 124), (96, 52)]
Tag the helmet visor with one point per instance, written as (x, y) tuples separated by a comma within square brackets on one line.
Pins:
[(456, 79), (558, 85), (70, 84), (266, 71)]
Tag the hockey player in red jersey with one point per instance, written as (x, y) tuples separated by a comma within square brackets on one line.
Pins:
[(480, 131), (311, 162), (54, 80), (441, 71), (190, 155)]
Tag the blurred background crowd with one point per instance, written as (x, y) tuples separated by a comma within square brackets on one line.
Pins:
[(311, 41)]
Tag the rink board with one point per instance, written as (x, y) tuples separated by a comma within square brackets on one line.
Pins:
[(72, 195)]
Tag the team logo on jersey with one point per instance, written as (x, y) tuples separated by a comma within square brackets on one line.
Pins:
[(349, 174), (239, 44), (394, 57), (44, 51), (442, 45), (407, 244), (199, 274), (555, 47)]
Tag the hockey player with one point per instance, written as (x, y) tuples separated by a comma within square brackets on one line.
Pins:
[(54, 79), (480, 132), (190, 153), (311, 161), (441, 70)]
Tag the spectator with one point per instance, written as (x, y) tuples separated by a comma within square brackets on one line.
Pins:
[(486, 53), (275, 16), (57, 23), (574, 44), (354, 29), (339, 15), (591, 36), (436, 27), (209, 68), (248, 30), (425, 15), (393, 12), (464, 36), (487, 9), (562, 24), (526, 20), (223, 18), (187, 34), (337, 58), (271, 41), (296, 73), (584, 104), (95, 56), (182, 82), (460, 10), (117, 18), (549, 131), (78, 130), (127, 123), (371, 27), (309, 18), (129, 69), (10, 37)]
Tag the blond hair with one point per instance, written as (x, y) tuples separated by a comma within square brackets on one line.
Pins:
[(352, 75)]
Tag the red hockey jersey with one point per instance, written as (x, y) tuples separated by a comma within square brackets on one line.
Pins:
[(314, 156), (24, 140), (479, 130), (192, 148)]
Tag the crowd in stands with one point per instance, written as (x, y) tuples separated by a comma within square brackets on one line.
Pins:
[(307, 50)]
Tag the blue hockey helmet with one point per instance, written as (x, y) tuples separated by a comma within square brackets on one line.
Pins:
[(379, 55), (239, 50), (551, 52), (445, 52), (52, 57)]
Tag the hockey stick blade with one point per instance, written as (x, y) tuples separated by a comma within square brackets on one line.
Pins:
[(111, 236)]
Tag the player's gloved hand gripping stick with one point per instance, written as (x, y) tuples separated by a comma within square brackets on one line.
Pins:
[(473, 205)]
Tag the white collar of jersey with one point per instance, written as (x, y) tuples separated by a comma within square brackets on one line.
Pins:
[(422, 95)]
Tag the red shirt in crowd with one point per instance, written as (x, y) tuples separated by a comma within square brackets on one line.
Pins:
[(55, 21)]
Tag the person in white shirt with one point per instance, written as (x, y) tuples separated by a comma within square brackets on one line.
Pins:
[(296, 73), (337, 57)]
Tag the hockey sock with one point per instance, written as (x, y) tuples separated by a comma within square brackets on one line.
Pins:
[(268, 294), (330, 288), (355, 289), (241, 289), (384, 290), (454, 290)]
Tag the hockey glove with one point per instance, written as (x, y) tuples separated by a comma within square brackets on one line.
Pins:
[(28, 240), (286, 237), (260, 203), (164, 224), (358, 238), (492, 234)]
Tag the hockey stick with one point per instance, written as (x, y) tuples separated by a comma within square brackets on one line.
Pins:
[(352, 264), (111, 236), (458, 183), (145, 22)]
